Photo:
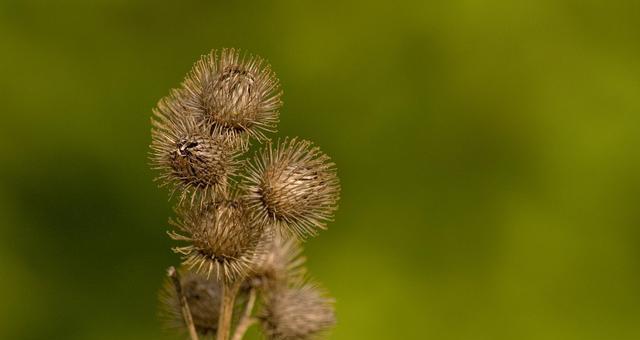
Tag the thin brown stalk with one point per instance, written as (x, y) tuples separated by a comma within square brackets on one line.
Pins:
[(246, 320), (229, 292), (186, 313)]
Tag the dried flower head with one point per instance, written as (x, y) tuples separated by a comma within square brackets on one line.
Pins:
[(281, 264), (298, 313), (203, 296), (223, 239), (193, 159), (239, 95), (293, 187)]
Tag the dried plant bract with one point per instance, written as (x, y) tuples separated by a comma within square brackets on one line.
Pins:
[(194, 162), (293, 187), (281, 264), (222, 238), (297, 313), (239, 95)]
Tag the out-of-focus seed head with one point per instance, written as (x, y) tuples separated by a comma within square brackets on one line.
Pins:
[(297, 313), (238, 95), (195, 160), (222, 238), (293, 187), (203, 297), (281, 264)]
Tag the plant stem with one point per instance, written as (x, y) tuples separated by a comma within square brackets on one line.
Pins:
[(186, 312), (246, 321), (229, 292)]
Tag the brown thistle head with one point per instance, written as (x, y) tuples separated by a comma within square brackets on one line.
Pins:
[(238, 95), (293, 187), (222, 238), (297, 313), (281, 264), (203, 297), (196, 161)]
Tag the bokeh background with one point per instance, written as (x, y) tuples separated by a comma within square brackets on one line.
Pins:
[(488, 151)]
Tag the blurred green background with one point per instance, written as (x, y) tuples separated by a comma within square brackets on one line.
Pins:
[(488, 152)]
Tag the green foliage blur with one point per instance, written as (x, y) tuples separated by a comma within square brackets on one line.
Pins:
[(488, 152)]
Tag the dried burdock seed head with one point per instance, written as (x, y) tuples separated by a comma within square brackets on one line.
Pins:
[(222, 237), (203, 296), (238, 95), (281, 264), (302, 312), (293, 186), (196, 161)]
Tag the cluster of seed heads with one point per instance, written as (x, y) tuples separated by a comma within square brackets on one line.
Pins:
[(240, 222)]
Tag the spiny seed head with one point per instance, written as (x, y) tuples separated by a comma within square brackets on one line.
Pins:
[(297, 313), (293, 186), (239, 95), (195, 160), (222, 239), (282, 263), (203, 297)]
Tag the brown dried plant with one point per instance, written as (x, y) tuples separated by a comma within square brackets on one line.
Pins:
[(223, 238), (281, 264), (194, 161), (238, 95), (298, 312), (240, 222), (293, 187), (203, 297)]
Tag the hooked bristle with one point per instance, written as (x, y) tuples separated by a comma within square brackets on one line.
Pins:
[(195, 161), (297, 313), (238, 95), (293, 187), (222, 237), (281, 264)]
